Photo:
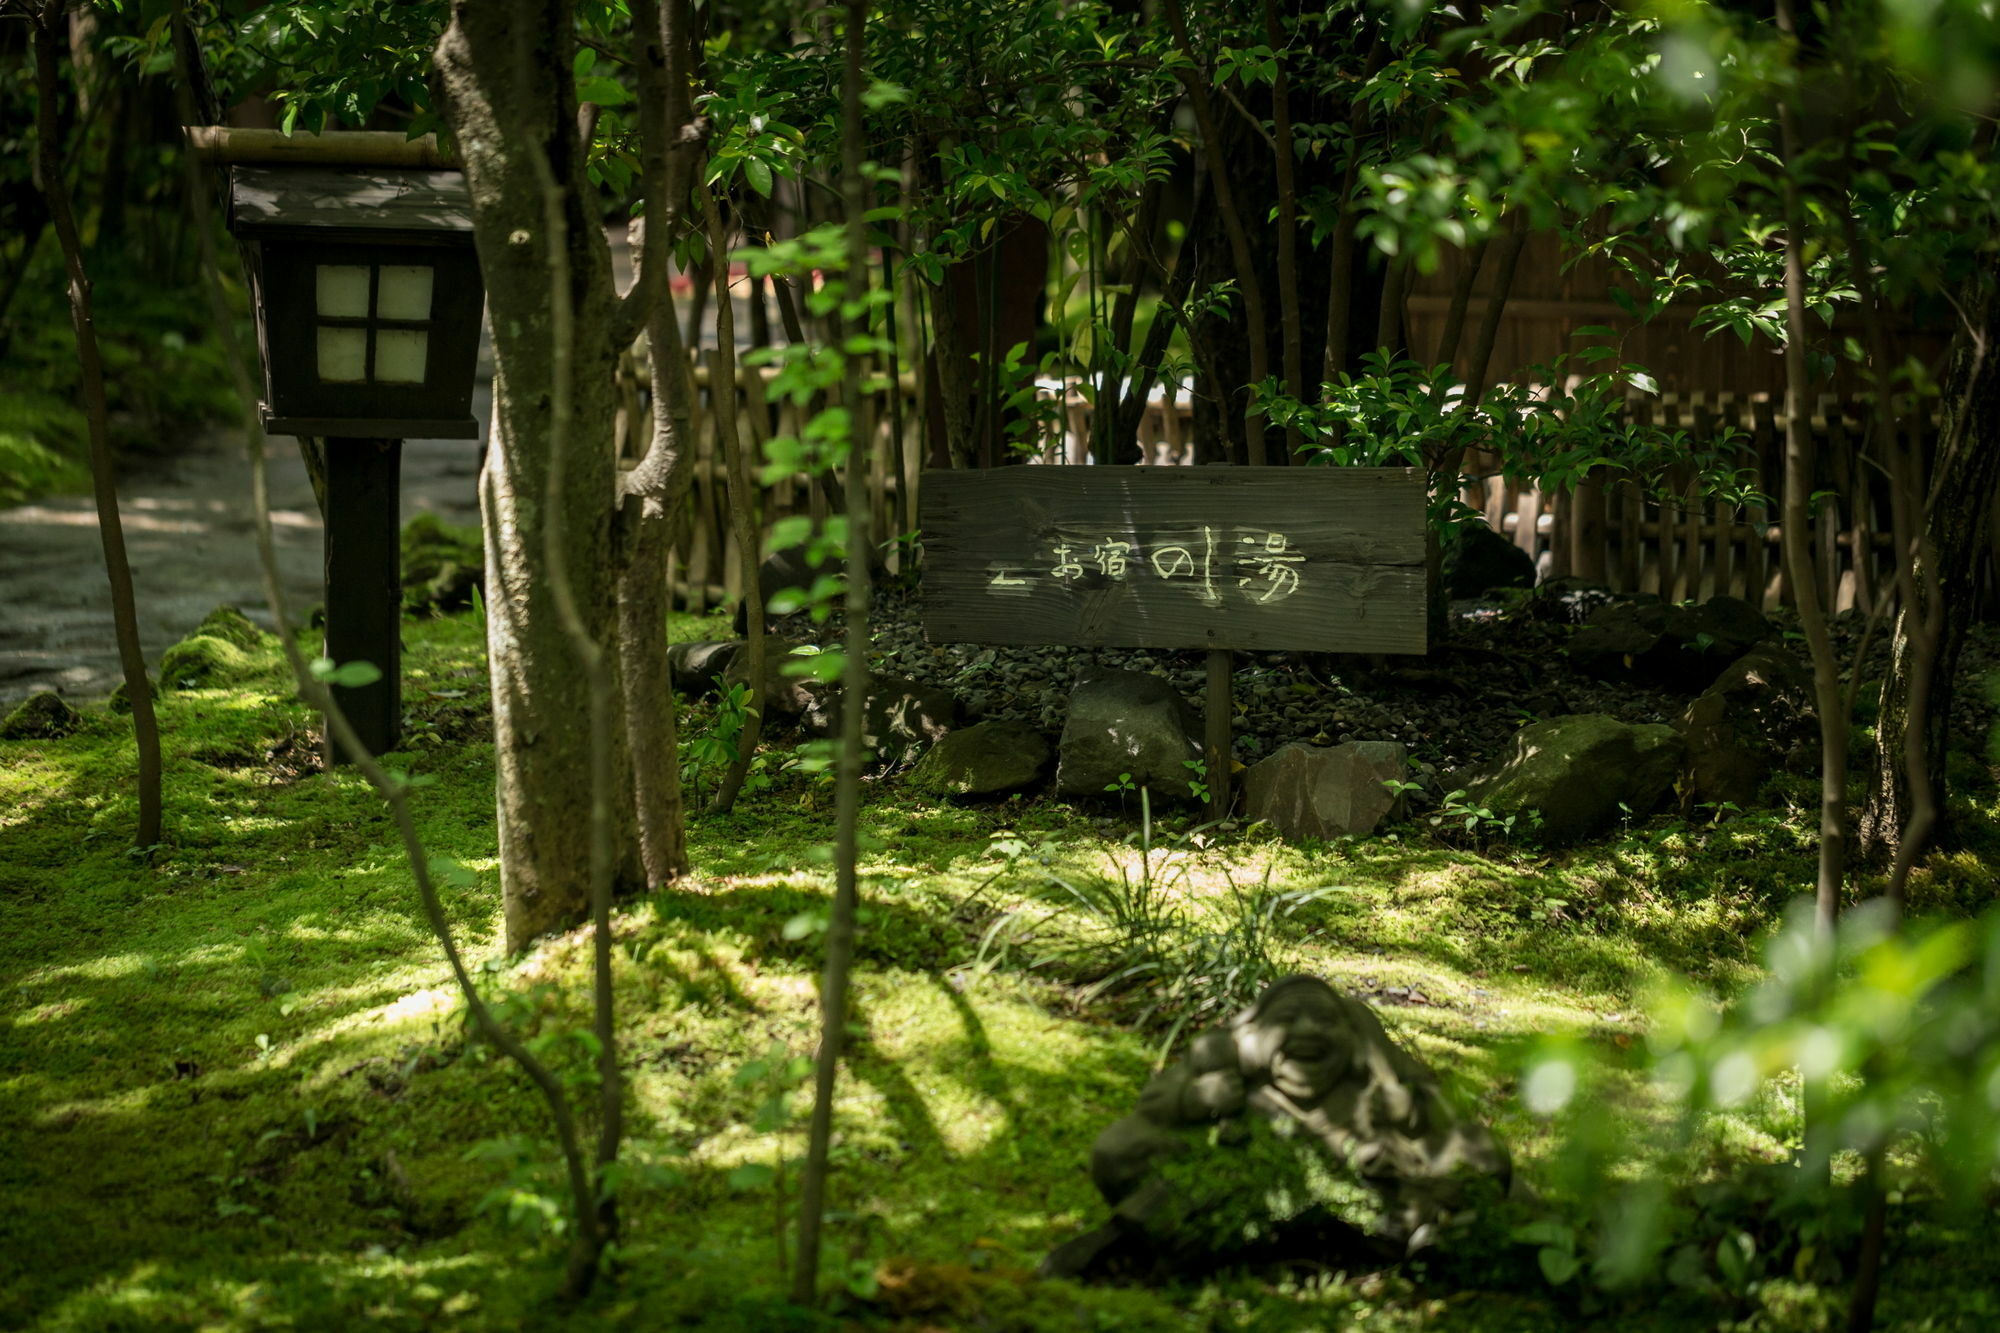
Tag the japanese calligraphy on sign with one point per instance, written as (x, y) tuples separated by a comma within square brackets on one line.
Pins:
[(1268, 568), (1267, 558)]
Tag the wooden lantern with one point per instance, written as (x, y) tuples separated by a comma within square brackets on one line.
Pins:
[(367, 296), (368, 300)]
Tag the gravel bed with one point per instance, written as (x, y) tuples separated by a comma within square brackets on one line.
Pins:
[(1458, 705)]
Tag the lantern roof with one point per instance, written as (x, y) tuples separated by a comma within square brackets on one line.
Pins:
[(362, 203)]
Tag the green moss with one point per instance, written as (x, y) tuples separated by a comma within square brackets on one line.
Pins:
[(442, 564), (41, 716), (200, 661), (232, 626), (236, 1089)]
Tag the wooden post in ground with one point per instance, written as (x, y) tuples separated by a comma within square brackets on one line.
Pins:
[(1220, 710), (364, 594)]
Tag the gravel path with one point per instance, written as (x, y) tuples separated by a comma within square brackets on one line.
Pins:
[(188, 532)]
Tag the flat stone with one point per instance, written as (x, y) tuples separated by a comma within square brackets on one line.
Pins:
[(985, 759), (696, 667), (1318, 792)]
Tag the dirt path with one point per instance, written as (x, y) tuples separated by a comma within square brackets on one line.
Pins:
[(188, 529)]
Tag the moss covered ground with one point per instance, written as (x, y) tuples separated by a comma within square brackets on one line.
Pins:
[(236, 1090)]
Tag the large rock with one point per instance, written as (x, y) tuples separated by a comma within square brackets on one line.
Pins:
[(900, 714), (696, 667), (1759, 714), (985, 759), (1127, 723), (1577, 771), (1680, 647), (1480, 560), (42, 716), (1320, 792)]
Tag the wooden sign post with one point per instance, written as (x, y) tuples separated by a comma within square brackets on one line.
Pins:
[(1220, 559)]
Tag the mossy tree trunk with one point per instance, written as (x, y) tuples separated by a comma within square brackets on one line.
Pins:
[(505, 71), (1965, 478)]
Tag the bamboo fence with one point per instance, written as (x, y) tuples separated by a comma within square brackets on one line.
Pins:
[(1675, 543)]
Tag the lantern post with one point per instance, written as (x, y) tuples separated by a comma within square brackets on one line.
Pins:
[(368, 300)]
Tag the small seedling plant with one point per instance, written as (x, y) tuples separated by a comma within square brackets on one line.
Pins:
[(774, 1077)]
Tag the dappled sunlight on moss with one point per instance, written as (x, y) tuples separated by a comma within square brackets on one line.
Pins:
[(318, 1176)]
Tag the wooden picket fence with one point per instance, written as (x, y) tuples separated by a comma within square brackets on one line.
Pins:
[(1683, 545), (1605, 532), (705, 566)]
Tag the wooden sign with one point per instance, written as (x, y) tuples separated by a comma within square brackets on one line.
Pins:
[(1170, 557)]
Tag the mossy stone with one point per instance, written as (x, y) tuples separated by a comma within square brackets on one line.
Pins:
[(201, 660), (233, 627), (442, 563), (41, 717)]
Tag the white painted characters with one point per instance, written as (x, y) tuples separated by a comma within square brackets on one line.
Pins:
[(1267, 566)]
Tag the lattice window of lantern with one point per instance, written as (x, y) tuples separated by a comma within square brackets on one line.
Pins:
[(374, 322)]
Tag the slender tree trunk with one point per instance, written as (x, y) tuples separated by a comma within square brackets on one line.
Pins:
[(1340, 294), (742, 511), (1389, 320), (90, 364), (1232, 220), (1445, 471), (1800, 566), (854, 692), (1920, 595), (1446, 352), (1293, 355), (952, 348), (506, 77), (1107, 443), (654, 491)]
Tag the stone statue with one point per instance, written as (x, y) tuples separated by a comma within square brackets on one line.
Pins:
[(1299, 1131)]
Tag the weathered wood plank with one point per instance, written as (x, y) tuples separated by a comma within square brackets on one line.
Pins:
[(1254, 559)]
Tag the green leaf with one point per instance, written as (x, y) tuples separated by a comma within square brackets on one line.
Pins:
[(758, 173), (789, 531), (751, 1176), (1558, 1266), (604, 92), (349, 675)]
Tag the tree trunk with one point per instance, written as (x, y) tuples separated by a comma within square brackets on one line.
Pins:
[(653, 491), (1965, 477), (506, 76), (854, 690), (124, 614), (1801, 569), (1250, 284), (1292, 355), (742, 513)]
